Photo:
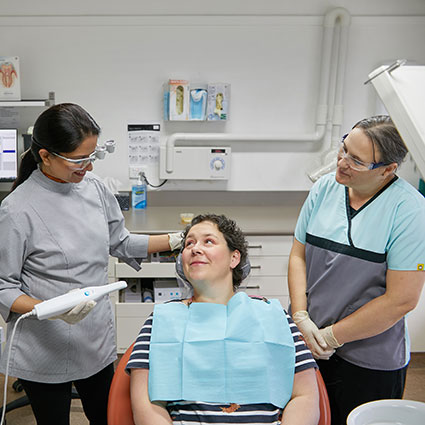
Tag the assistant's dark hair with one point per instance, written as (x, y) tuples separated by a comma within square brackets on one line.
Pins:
[(233, 235), (60, 129), (385, 138)]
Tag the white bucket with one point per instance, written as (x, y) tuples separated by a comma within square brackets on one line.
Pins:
[(388, 412)]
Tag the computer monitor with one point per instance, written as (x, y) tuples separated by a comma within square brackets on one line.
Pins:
[(8, 154)]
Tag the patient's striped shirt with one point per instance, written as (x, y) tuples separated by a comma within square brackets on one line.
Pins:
[(190, 412)]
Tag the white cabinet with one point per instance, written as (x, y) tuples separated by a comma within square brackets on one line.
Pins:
[(269, 263), (129, 317), (269, 257)]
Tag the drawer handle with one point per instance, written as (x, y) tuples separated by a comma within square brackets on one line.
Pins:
[(255, 246), (255, 267), (250, 287)]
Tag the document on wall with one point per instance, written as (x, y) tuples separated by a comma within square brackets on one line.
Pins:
[(143, 144), (10, 78)]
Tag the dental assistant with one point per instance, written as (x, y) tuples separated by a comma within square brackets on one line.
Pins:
[(58, 227), (357, 268)]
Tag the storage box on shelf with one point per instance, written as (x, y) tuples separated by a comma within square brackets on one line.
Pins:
[(269, 262)]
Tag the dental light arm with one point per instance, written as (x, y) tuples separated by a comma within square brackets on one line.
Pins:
[(63, 303)]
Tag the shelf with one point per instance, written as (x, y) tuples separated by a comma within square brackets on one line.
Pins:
[(149, 270), (26, 102)]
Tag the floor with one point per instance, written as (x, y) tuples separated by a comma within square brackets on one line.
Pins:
[(415, 385), (415, 390)]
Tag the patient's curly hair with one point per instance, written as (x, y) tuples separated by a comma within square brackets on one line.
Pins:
[(232, 234)]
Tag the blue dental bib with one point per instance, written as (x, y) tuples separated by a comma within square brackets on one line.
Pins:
[(242, 352)]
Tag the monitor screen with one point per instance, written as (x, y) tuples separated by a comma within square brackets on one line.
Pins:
[(8, 154)]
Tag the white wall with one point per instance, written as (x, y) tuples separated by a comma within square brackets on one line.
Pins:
[(113, 59)]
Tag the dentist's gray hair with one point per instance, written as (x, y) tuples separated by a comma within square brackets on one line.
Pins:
[(385, 137)]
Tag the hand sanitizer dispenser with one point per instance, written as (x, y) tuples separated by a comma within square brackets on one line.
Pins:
[(139, 193)]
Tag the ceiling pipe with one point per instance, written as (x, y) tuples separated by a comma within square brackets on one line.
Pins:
[(336, 107), (337, 110), (325, 116)]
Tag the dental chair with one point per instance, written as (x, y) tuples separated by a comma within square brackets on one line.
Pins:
[(119, 404)]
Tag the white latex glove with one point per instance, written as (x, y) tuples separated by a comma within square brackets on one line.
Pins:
[(329, 337), (79, 312), (325, 356), (312, 335), (175, 240)]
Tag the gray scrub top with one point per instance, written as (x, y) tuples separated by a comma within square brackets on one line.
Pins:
[(56, 237)]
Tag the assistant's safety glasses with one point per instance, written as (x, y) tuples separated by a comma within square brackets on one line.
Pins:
[(354, 163)]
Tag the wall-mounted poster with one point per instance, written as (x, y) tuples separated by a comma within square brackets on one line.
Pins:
[(10, 85)]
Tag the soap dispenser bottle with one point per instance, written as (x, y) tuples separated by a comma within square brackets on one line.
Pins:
[(139, 192)]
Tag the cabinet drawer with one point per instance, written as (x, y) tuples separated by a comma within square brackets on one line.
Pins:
[(269, 266), (148, 270), (262, 285), (127, 330), (134, 309), (269, 245), (130, 318)]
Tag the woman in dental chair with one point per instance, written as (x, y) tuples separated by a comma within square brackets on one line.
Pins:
[(220, 356)]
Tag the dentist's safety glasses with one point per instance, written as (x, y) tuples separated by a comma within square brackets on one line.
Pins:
[(99, 153), (354, 163)]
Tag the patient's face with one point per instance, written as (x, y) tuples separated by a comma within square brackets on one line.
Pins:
[(206, 256)]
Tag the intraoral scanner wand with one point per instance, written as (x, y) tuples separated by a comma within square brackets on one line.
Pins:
[(54, 307), (66, 302)]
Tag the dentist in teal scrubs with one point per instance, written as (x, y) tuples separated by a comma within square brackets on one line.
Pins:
[(357, 268)]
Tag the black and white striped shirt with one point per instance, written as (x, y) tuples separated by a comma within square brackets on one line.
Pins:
[(196, 412)]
